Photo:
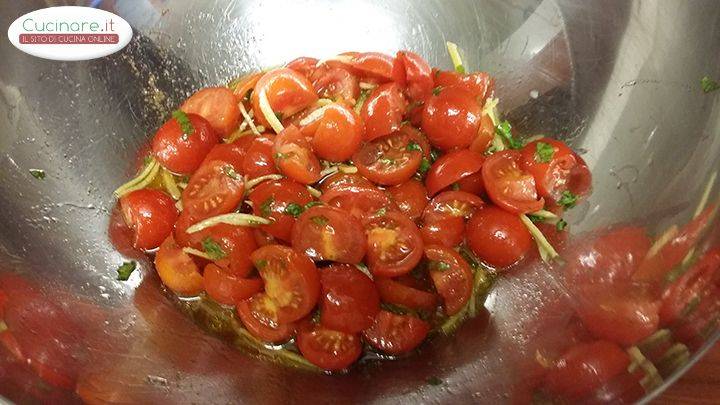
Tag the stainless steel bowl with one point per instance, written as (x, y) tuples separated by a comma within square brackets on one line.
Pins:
[(619, 80)]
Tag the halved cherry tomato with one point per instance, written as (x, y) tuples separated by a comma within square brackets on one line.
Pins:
[(244, 85), (212, 190), (236, 243), (451, 119), (388, 160), (177, 270), (693, 286), (336, 83), (557, 171), (294, 156), (451, 275), (452, 167), (328, 233), (253, 315), (150, 214), (394, 244), (584, 368), (444, 218), (473, 184), (695, 328), (340, 180), (228, 288), (411, 197), (263, 238), (259, 157), (304, 65), (498, 237), (508, 186), (291, 281), (326, 348), (485, 135), (411, 71), (417, 138), (337, 134), (395, 292), (287, 92), (479, 84), (373, 65), (271, 199), (180, 152), (232, 153), (396, 334), (349, 301), (383, 111), (360, 201), (218, 106)]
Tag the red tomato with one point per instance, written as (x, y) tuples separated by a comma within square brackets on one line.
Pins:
[(563, 171), (236, 244), (693, 286), (479, 84), (451, 119), (231, 153), (452, 167), (180, 152), (177, 270), (263, 238), (218, 106), (341, 180), (291, 282), (212, 190), (360, 201), (259, 157), (383, 111), (151, 215), (411, 71), (508, 186), (444, 218), (498, 237), (245, 84), (336, 83), (451, 275), (373, 65), (228, 288), (397, 293), (349, 301), (387, 160), (394, 244), (584, 368), (253, 314), (304, 65), (326, 348), (472, 184), (396, 334), (485, 135), (271, 199), (411, 197), (328, 233), (287, 92), (294, 156), (337, 134)]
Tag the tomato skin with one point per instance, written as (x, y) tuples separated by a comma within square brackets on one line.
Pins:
[(212, 191), (455, 283), (479, 84), (396, 334), (360, 201), (304, 65), (394, 244), (383, 111), (287, 92), (498, 237), (394, 292), (326, 348), (473, 184), (411, 71), (151, 215), (451, 168), (584, 368), (411, 197), (328, 233), (451, 119), (336, 83), (227, 288), (695, 284), (273, 197), (245, 84), (444, 218), (251, 315), (337, 134), (564, 171), (237, 242), (373, 65), (218, 106), (508, 186), (181, 153), (349, 301), (177, 270), (291, 281), (485, 135), (294, 156), (342, 180), (387, 160), (231, 153), (259, 159)]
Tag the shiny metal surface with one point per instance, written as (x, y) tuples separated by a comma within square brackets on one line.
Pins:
[(618, 79)]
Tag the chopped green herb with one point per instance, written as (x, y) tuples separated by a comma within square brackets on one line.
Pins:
[(544, 152), (230, 172), (412, 146), (567, 199), (261, 264), (364, 94), (266, 207), (434, 380), (213, 249), (319, 220), (312, 204), (560, 225), (424, 166), (437, 90), (280, 156), (504, 129), (381, 212), (38, 173), (439, 265), (293, 209), (434, 154), (185, 124), (455, 187), (386, 161), (535, 218), (708, 84), (279, 115), (315, 317), (125, 270)]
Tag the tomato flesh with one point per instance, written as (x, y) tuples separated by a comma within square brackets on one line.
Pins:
[(396, 334), (252, 313), (394, 243), (411, 197), (563, 171), (328, 233), (218, 106), (271, 199), (212, 190), (337, 134), (451, 275), (227, 288), (287, 92), (387, 160), (326, 348), (508, 186), (294, 156), (177, 270)]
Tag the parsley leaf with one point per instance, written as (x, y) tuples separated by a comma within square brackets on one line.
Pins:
[(185, 124), (535, 218), (261, 264), (504, 129), (561, 225), (312, 204), (293, 209), (319, 220), (230, 172), (213, 249), (455, 187), (424, 166), (439, 265), (437, 90), (412, 146), (266, 207), (544, 152), (708, 84), (125, 270), (434, 380), (567, 199), (38, 173), (434, 154)]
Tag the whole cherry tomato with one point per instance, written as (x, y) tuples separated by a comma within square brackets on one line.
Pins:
[(451, 119), (498, 237), (150, 214), (180, 152), (218, 106)]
